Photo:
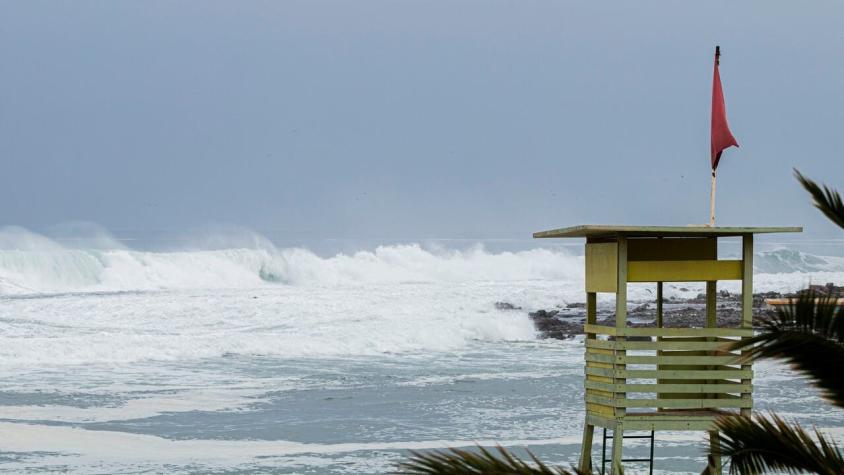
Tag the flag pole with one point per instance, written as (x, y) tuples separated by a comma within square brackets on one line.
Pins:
[(712, 202), (712, 189)]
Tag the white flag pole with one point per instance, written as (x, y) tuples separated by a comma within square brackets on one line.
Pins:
[(712, 202)]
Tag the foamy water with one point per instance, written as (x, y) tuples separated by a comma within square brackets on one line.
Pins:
[(256, 358)]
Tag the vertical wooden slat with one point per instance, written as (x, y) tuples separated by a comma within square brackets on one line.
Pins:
[(586, 448), (621, 292), (659, 304), (714, 450), (617, 442), (588, 429), (659, 324), (621, 318), (747, 281), (746, 302), (711, 317)]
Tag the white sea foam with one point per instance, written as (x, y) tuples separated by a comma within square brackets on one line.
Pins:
[(104, 445), (499, 376), (31, 263), (34, 264), (289, 321), (193, 304), (217, 399), (260, 301)]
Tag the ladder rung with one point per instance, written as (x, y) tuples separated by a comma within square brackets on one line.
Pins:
[(629, 460), (604, 458)]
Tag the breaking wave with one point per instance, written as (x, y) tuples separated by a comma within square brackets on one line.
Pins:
[(31, 263), (35, 264), (784, 261)]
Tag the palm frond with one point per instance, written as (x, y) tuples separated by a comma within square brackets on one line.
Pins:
[(465, 462), (771, 444), (809, 335), (826, 199)]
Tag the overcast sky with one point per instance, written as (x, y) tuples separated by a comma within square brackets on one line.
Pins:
[(413, 119)]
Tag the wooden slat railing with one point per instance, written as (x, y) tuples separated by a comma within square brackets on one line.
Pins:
[(678, 369)]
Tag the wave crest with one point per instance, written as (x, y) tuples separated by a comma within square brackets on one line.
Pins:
[(32, 263)]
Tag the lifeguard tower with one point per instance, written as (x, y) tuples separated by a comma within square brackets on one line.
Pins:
[(660, 378)]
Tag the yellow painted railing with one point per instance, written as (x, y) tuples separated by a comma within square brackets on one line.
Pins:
[(676, 369)]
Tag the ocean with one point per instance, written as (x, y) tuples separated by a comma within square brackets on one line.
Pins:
[(271, 359)]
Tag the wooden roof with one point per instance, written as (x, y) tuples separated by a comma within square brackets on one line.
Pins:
[(600, 230)]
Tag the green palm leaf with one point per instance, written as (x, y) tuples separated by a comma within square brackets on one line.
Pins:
[(465, 462), (809, 335), (826, 199), (760, 444)]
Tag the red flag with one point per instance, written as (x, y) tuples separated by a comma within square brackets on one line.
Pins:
[(722, 138)]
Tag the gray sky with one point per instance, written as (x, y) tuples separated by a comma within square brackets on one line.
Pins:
[(411, 119)]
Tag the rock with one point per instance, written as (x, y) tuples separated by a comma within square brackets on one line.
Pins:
[(506, 306), (683, 313), (641, 308), (550, 326), (543, 314), (828, 290)]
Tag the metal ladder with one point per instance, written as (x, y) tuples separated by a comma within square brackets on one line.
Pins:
[(604, 458)]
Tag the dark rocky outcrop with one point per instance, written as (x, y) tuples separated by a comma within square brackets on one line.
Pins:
[(506, 306), (827, 290), (568, 320), (550, 326)]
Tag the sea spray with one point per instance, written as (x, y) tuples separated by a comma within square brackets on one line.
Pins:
[(34, 264), (31, 263)]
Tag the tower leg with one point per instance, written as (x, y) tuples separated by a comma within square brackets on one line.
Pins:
[(747, 310), (586, 449), (715, 456), (617, 440), (711, 302), (588, 430)]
